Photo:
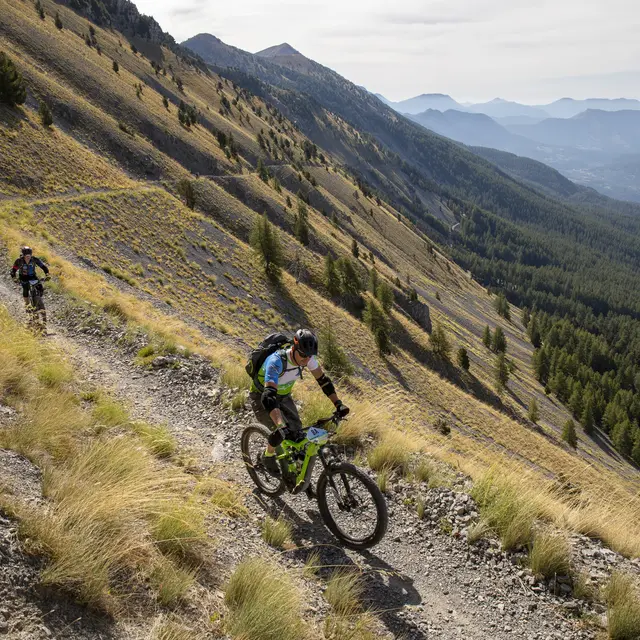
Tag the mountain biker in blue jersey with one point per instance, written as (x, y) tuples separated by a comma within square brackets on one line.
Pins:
[(25, 268), (274, 407)]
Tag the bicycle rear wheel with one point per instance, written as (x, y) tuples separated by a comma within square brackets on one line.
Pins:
[(352, 506), (253, 443)]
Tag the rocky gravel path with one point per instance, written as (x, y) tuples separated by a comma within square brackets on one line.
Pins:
[(424, 580)]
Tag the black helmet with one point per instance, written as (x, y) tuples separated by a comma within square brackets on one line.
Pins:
[(306, 343), (27, 251)]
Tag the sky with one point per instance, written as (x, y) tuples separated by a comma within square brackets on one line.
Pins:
[(532, 51)]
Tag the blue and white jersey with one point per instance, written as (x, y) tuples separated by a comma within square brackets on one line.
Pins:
[(273, 370)]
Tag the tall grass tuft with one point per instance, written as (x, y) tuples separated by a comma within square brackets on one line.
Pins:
[(506, 508), (234, 376), (550, 554), (392, 453), (264, 603), (276, 532), (157, 438), (623, 605), (344, 592)]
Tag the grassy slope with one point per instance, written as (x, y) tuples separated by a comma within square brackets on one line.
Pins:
[(201, 264)]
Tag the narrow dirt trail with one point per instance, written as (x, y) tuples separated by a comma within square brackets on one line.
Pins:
[(423, 583)]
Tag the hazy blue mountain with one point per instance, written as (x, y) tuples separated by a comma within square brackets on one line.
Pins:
[(611, 132), (474, 129), (568, 107), (499, 108), (438, 101)]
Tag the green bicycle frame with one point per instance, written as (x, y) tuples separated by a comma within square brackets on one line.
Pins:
[(290, 448)]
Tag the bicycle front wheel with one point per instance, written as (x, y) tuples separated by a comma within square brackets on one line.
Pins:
[(253, 443), (352, 506)]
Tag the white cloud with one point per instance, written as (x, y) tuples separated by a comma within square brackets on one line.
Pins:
[(471, 49)]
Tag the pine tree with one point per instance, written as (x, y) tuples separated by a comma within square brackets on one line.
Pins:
[(116, 66), (526, 316), (331, 277), (40, 9), (333, 357), (13, 90), (265, 243), (301, 229), (575, 401), (186, 190), (502, 306), (569, 434), (288, 202), (440, 342), (350, 283), (463, 358), (533, 411), (262, 171), (413, 295), (165, 102), (587, 419), (501, 372), (46, 117), (499, 341), (385, 296), (355, 250), (375, 319), (486, 337), (57, 21), (621, 436), (635, 452), (374, 281)]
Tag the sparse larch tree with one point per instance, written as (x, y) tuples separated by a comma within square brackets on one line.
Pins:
[(46, 117), (165, 103), (58, 21), (486, 337), (265, 243), (376, 321), (384, 294), (502, 306), (463, 358), (533, 411), (440, 342), (501, 372), (40, 9), (569, 434), (499, 342), (13, 90), (334, 359), (116, 66), (331, 276)]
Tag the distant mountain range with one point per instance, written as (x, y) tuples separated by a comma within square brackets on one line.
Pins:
[(516, 112)]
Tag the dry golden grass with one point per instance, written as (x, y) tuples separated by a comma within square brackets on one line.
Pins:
[(276, 532), (225, 496), (550, 554), (264, 603), (344, 592), (623, 602)]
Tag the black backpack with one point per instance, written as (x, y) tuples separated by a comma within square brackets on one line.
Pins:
[(269, 345)]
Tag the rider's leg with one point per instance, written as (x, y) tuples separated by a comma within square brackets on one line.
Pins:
[(263, 417)]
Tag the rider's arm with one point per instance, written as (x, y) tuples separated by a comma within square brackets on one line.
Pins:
[(272, 371), (42, 265), (14, 269), (325, 384)]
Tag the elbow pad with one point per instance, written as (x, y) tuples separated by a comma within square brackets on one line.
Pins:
[(269, 399), (326, 385)]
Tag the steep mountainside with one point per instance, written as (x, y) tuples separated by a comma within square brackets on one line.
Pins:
[(154, 187)]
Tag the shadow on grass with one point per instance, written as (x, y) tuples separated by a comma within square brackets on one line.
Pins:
[(386, 590)]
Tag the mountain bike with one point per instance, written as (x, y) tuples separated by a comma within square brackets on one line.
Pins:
[(350, 502), (36, 313)]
